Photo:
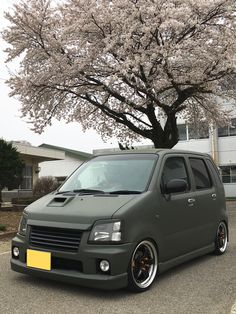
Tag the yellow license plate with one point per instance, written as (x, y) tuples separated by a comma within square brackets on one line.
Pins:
[(38, 259)]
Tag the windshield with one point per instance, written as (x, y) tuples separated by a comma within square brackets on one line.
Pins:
[(112, 173)]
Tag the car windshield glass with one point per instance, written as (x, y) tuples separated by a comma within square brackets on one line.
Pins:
[(113, 173)]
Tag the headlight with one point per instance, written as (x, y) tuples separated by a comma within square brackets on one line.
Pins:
[(23, 224), (106, 232)]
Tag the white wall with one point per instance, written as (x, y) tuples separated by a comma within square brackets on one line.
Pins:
[(230, 189), (59, 168), (202, 145), (227, 150)]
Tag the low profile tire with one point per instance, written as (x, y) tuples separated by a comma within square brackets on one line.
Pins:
[(221, 238), (143, 267)]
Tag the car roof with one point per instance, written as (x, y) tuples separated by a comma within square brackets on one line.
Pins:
[(159, 151)]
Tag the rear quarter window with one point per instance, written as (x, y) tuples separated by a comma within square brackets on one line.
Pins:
[(200, 173), (214, 170)]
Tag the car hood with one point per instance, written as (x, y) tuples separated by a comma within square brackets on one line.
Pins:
[(74, 211)]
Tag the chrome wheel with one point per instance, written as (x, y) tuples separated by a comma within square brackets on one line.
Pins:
[(221, 238), (144, 265)]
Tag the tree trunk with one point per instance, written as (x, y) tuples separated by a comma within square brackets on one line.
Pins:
[(169, 136)]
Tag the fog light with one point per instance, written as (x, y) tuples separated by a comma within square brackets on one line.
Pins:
[(16, 251), (104, 265)]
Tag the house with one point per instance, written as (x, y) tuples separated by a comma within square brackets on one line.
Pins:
[(32, 156), (60, 169), (45, 160)]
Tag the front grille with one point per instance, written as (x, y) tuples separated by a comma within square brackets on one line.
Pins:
[(55, 238)]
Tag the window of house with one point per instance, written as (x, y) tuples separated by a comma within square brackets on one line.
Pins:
[(27, 183), (182, 132), (198, 131), (189, 132), (228, 174), (200, 173), (232, 127), (61, 180), (229, 130)]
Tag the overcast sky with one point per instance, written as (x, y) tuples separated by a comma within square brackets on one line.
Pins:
[(14, 128)]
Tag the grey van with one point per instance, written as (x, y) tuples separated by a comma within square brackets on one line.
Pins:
[(122, 218)]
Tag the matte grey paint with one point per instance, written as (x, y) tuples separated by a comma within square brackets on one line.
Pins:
[(181, 225)]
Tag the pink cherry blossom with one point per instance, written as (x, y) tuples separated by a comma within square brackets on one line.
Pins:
[(126, 68)]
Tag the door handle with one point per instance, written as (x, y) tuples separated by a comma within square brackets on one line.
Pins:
[(191, 201), (213, 196)]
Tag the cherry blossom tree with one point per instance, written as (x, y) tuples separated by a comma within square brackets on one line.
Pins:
[(126, 68)]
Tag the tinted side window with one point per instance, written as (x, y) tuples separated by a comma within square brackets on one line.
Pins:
[(200, 173), (174, 168), (214, 170)]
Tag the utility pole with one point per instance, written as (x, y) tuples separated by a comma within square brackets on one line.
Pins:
[(214, 144)]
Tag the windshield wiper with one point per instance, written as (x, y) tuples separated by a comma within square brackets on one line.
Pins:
[(92, 191), (88, 191), (63, 192), (125, 192), (82, 191)]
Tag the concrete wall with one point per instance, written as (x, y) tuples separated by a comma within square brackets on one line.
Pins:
[(230, 189), (227, 150)]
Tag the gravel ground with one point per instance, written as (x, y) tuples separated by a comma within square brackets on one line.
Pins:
[(10, 219), (5, 245)]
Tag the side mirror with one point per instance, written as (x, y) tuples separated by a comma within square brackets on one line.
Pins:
[(175, 186)]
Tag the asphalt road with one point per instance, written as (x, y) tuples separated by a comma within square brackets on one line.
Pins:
[(206, 285)]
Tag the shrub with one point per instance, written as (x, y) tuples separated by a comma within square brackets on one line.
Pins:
[(20, 203), (3, 227), (11, 167), (45, 185), (23, 200)]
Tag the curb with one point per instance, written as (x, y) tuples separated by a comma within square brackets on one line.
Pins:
[(8, 234)]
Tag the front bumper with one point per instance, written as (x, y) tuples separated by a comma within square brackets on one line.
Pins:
[(87, 280), (88, 256)]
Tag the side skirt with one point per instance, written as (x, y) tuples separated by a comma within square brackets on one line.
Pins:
[(163, 266)]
